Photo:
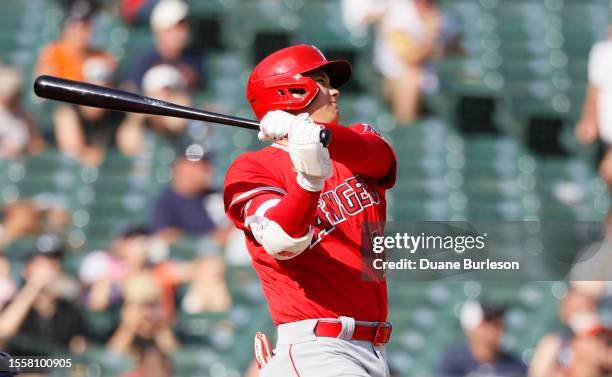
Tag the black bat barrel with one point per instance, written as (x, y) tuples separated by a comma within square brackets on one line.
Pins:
[(86, 94)]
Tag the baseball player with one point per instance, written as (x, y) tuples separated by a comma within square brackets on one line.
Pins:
[(302, 207)]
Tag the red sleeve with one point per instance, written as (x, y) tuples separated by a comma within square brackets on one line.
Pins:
[(363, 151), (248, 186), (294, 212), (246, 179)]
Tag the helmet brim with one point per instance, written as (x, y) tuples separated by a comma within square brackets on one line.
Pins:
[(339, 72)]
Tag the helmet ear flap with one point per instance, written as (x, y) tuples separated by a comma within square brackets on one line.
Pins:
[(280, 95)]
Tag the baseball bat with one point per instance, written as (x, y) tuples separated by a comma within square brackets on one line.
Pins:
[(86, 94)]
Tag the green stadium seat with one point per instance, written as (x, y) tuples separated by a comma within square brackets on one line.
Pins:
[(324, 27), (502, 210), (108, 363), (185, 249), (101, 324), (491, 190)]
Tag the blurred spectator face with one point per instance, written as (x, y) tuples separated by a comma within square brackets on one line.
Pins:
[(191, 177), (78, 25), (489, 334), (43, 267), (78, 33), (133, 249), (142, 296), (576, 303), (166, 83), (152, 315), (170, 26), (171, 42), (483, 323)]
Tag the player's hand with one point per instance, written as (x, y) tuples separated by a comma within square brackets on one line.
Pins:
[(275, 125), (310, 158)]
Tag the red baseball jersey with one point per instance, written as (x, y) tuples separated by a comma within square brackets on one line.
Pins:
[(325, 280)]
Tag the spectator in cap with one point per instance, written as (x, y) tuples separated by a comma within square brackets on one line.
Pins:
[(18, 134), (163, 82), (67, 56), (190, 205), (482, 354), (43, 313), (596, 120), (171, 30), (87, 132)]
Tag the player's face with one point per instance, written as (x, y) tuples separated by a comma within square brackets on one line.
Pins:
[(324, 107)]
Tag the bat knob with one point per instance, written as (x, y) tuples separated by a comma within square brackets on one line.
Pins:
[(325, 136)]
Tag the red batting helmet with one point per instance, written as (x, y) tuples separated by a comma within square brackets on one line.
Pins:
[(275, 77)]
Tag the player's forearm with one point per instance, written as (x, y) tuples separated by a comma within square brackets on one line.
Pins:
[(295, 211), (367, 155)]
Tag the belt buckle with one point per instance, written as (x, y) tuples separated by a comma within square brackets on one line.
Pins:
[(383, 333)]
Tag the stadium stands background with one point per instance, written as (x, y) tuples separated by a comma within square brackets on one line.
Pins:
[(496, 145)]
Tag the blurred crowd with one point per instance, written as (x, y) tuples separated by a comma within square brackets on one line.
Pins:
[(43, 308)]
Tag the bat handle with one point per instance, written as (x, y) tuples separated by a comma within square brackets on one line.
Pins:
[(325, 136)]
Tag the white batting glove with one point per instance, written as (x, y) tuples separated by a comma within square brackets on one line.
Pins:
[(275, 125), (310, 158)]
